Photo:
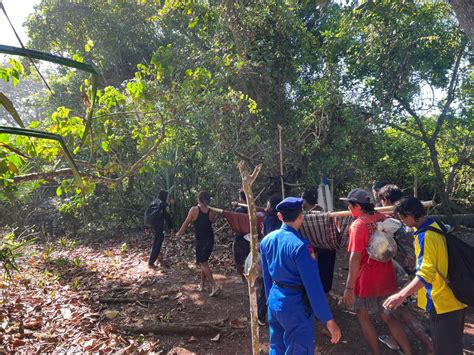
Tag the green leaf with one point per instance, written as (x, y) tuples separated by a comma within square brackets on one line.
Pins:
[(105, 146), (11, 109), (89, 45)]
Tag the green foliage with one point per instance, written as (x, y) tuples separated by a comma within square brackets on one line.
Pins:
[(13, 73), (10, 252), (190, 88)]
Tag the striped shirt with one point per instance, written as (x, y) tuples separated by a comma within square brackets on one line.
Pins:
[(432, 259)]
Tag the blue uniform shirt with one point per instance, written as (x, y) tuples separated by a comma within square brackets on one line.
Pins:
[(290, 259)]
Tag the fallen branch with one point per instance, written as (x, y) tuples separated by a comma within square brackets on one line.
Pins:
[(67, 172), (115, 300), (173, 329)]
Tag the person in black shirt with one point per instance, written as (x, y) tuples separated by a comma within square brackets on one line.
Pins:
[(202, 217), (158, 229)]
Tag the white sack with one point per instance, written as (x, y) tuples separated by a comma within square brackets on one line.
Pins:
[(382, 245)]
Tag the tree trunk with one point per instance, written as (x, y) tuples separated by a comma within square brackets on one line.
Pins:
[(440, 184), (247, 182), (464, 10)]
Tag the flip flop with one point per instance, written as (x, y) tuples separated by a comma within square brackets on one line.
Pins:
[(215, 291), (389, 342)]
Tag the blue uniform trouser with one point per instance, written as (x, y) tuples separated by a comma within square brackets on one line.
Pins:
[(291, 328)]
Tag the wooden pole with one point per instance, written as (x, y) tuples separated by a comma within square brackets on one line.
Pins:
[(280, 128), (245, 205), (415, 186), (325, 198), (332, 190), (215, 209), (386, 209), (247, 182)]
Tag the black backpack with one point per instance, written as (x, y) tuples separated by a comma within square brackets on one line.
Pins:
[(152, 213), (460, 265)]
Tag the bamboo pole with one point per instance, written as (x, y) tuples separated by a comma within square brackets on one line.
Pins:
[(215, 209), (245, 205), (247, 182), (280, 128), (386, 209)]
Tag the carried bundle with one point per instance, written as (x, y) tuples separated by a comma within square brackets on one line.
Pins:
[(382, 245)]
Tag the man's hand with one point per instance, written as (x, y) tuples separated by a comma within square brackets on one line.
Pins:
[(348, 297), (394, 301), (178, 234), (334, 330)]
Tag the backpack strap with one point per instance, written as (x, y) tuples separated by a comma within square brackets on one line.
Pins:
[(441, 231)]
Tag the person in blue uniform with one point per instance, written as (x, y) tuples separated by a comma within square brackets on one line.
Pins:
[(292, 285)]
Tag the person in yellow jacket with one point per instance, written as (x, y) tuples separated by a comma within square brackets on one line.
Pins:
[(434, 295)]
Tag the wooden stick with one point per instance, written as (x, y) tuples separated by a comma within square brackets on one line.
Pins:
[(215, 209), (386, 209), (258, 195), (247, 181), (245, 205)]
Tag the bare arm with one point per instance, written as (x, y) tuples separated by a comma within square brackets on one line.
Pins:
[(191, 217), (354, 266), (397, 299), (213, 216)]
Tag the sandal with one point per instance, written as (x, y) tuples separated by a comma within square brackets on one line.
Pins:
[(215, 291)]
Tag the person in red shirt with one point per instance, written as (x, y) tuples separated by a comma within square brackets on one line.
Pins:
[(369, 281)]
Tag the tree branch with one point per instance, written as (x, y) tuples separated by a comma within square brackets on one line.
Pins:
[(450, 97), (67, 172), (16, 151), (413, 114), (402, 129), (131, 171)]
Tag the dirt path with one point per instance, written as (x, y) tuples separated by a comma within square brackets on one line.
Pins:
[(60, 301)]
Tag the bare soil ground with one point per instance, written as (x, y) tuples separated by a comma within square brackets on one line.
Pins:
[(99, 295)]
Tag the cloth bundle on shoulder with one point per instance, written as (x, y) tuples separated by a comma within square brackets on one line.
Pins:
[(324, 231), (239, 222)]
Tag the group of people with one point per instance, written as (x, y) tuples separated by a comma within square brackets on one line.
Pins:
[(297, 277)]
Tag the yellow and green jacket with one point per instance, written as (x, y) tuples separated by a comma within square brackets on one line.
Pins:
[(432, 259)]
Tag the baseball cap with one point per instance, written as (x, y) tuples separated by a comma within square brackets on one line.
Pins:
[(290, 203), (378, 185), (358, 196)]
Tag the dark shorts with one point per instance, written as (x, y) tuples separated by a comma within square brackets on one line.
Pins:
[(204, 250), (447, 331), (240, 249), (371, 304), (326, 262)]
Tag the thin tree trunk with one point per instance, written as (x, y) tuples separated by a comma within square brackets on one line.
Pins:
[(280, 128), (247, 182), (440, 184)]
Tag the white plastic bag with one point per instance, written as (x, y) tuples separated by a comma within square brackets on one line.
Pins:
[(382, 245)]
